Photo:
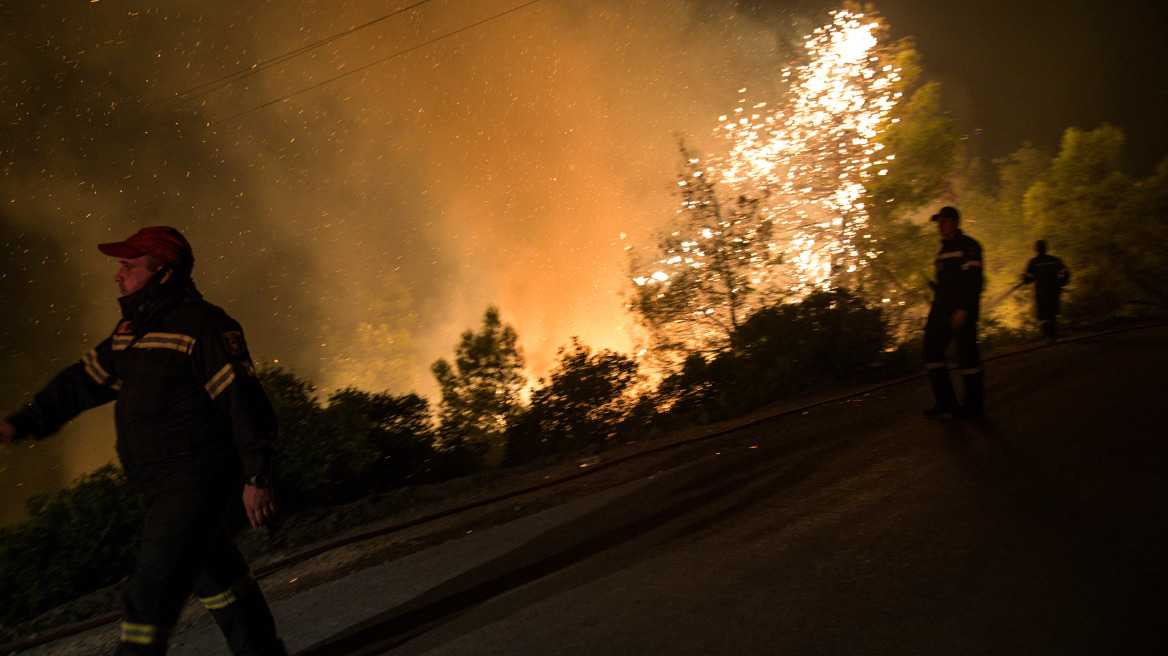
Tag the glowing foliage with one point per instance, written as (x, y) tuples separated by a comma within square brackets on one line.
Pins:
[(811, 158), (798, 172)]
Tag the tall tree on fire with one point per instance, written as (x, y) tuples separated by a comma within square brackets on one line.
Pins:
[(800, 173)]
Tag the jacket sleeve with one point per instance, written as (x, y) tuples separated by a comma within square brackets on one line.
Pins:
[(971, 276), (1028, 276), (83, 385), (231, 381)]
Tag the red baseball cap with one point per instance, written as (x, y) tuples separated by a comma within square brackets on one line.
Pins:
[(163, 242)]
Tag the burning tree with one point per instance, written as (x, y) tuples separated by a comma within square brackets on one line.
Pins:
[(799, 172), (812, 156), (711, 269)]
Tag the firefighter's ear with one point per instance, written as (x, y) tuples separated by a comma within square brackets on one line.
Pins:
[(164, 274)]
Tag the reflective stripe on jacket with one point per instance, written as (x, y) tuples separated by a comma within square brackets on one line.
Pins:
[(959, 274)]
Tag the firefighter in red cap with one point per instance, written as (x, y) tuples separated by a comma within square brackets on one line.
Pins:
[(194, 430), (953, 318)]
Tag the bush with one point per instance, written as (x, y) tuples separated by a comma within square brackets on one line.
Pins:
[(589, 401), (691, 397), (357, 443), (86, 537), (394, 434), (776, 352), (76, 541)]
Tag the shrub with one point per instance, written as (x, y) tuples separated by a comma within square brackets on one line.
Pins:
[(589, 400), (357, 443), (76, 541), (776, 352), (393, 437)]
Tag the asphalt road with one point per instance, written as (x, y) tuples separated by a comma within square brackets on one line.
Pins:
[(855, 527)]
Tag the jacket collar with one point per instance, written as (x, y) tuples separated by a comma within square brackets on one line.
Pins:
[(146, 307)]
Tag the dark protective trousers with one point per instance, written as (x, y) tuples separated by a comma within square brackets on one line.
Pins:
[(186, 547), (938, 335), (1047, 306)]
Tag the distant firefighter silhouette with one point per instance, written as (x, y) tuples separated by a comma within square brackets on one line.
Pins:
[(1049, 276)]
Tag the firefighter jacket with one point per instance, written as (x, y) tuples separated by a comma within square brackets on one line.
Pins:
[(959, 275), (1047, 272), (1049, 276), (189, 408)]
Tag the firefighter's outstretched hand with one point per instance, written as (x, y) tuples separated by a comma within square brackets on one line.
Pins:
[(7, 432), (259, 503)]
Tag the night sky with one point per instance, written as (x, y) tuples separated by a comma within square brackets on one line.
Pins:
[(372, 193), (1018, 71)]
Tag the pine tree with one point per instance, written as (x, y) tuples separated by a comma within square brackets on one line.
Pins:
[(481, 390)]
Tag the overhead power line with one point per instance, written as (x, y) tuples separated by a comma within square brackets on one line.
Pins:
[(372, 64), (226, 80)]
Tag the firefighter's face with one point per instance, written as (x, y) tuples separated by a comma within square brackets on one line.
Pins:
[(947, 226), (134, 273)]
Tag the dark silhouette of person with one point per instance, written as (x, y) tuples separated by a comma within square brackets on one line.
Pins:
[(1049, 275), (953, 318)]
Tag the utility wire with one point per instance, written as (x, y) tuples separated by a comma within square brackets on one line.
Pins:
[(227, 80), (371, 64)]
